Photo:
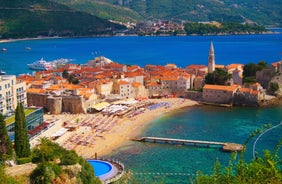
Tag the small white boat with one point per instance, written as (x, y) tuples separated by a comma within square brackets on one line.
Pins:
[(4, 50), (28, 48), (2, 72)]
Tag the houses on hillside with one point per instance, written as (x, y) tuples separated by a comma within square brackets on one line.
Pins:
[(77, 88)]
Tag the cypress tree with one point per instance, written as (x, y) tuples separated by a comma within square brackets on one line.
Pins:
[(22, 147), (5, 142)]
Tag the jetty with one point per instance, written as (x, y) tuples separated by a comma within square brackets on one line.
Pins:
[(228, 147)]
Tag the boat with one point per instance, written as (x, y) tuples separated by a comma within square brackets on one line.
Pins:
[(2, 72), (4, 50), (42, 64), (28, 48)]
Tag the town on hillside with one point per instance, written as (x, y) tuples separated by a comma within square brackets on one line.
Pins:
[(75, 88), (117, 90)]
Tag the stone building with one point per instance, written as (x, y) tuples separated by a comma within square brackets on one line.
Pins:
[(219, 94), (58, 103), (124, 89), (250, 96)]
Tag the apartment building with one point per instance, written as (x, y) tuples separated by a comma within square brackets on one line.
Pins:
[(12, 92)]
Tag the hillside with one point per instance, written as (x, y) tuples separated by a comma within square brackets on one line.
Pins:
[(103, 9), (259, 11), (31, 18)]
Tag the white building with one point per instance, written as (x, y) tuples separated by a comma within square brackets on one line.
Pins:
[(12, 92)]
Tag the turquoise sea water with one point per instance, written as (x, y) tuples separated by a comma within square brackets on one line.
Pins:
[(209, 123), (202, 122)]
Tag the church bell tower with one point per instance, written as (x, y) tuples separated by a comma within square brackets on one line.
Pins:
[(211, 61)]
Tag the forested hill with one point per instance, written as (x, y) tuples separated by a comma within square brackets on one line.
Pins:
[(263, 12), (32, 18)]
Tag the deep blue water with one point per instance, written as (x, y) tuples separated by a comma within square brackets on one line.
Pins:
[(203, 123), (181, 50)]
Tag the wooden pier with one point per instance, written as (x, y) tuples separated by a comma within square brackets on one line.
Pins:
[(229, 147)]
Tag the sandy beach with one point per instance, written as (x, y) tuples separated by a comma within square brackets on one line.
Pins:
[(115, 132), (22, 39)]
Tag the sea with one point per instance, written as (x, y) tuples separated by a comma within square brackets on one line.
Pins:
[(163, 163)]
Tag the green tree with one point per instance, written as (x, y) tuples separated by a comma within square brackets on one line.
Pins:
[(65, 74), (6, 149), (45, 173), (22, 147), (219, 77), (49, 152), (250, 70)]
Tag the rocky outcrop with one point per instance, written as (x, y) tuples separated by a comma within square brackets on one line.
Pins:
[(264, 77), (245, 99), (277, 78), (276, 101)]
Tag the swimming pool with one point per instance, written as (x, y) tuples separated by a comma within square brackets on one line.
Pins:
[(102, 169)]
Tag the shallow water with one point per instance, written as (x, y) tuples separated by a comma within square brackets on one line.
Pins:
[(151, 162)]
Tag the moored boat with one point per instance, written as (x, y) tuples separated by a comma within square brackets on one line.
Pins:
[(42, 64), (2, 72)]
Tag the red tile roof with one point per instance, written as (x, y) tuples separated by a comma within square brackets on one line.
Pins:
[(221, 87)]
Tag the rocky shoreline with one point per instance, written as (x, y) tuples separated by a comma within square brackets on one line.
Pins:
[(276, 101)]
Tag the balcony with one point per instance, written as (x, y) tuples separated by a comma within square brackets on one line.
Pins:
[(20, 92), (9, 96)]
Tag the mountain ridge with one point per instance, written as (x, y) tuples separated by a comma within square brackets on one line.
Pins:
[(19, 19), (261, 12)]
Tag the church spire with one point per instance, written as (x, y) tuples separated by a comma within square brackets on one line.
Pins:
[(211, 60), (211, 49)]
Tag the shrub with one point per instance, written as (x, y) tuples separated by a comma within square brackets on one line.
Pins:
[(45, 173), (273, 87), (69, 158), (24, 160)]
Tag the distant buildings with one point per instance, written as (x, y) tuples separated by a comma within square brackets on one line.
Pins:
[(104, 80)]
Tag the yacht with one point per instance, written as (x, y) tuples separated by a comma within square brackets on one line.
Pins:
[(41, 65)]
